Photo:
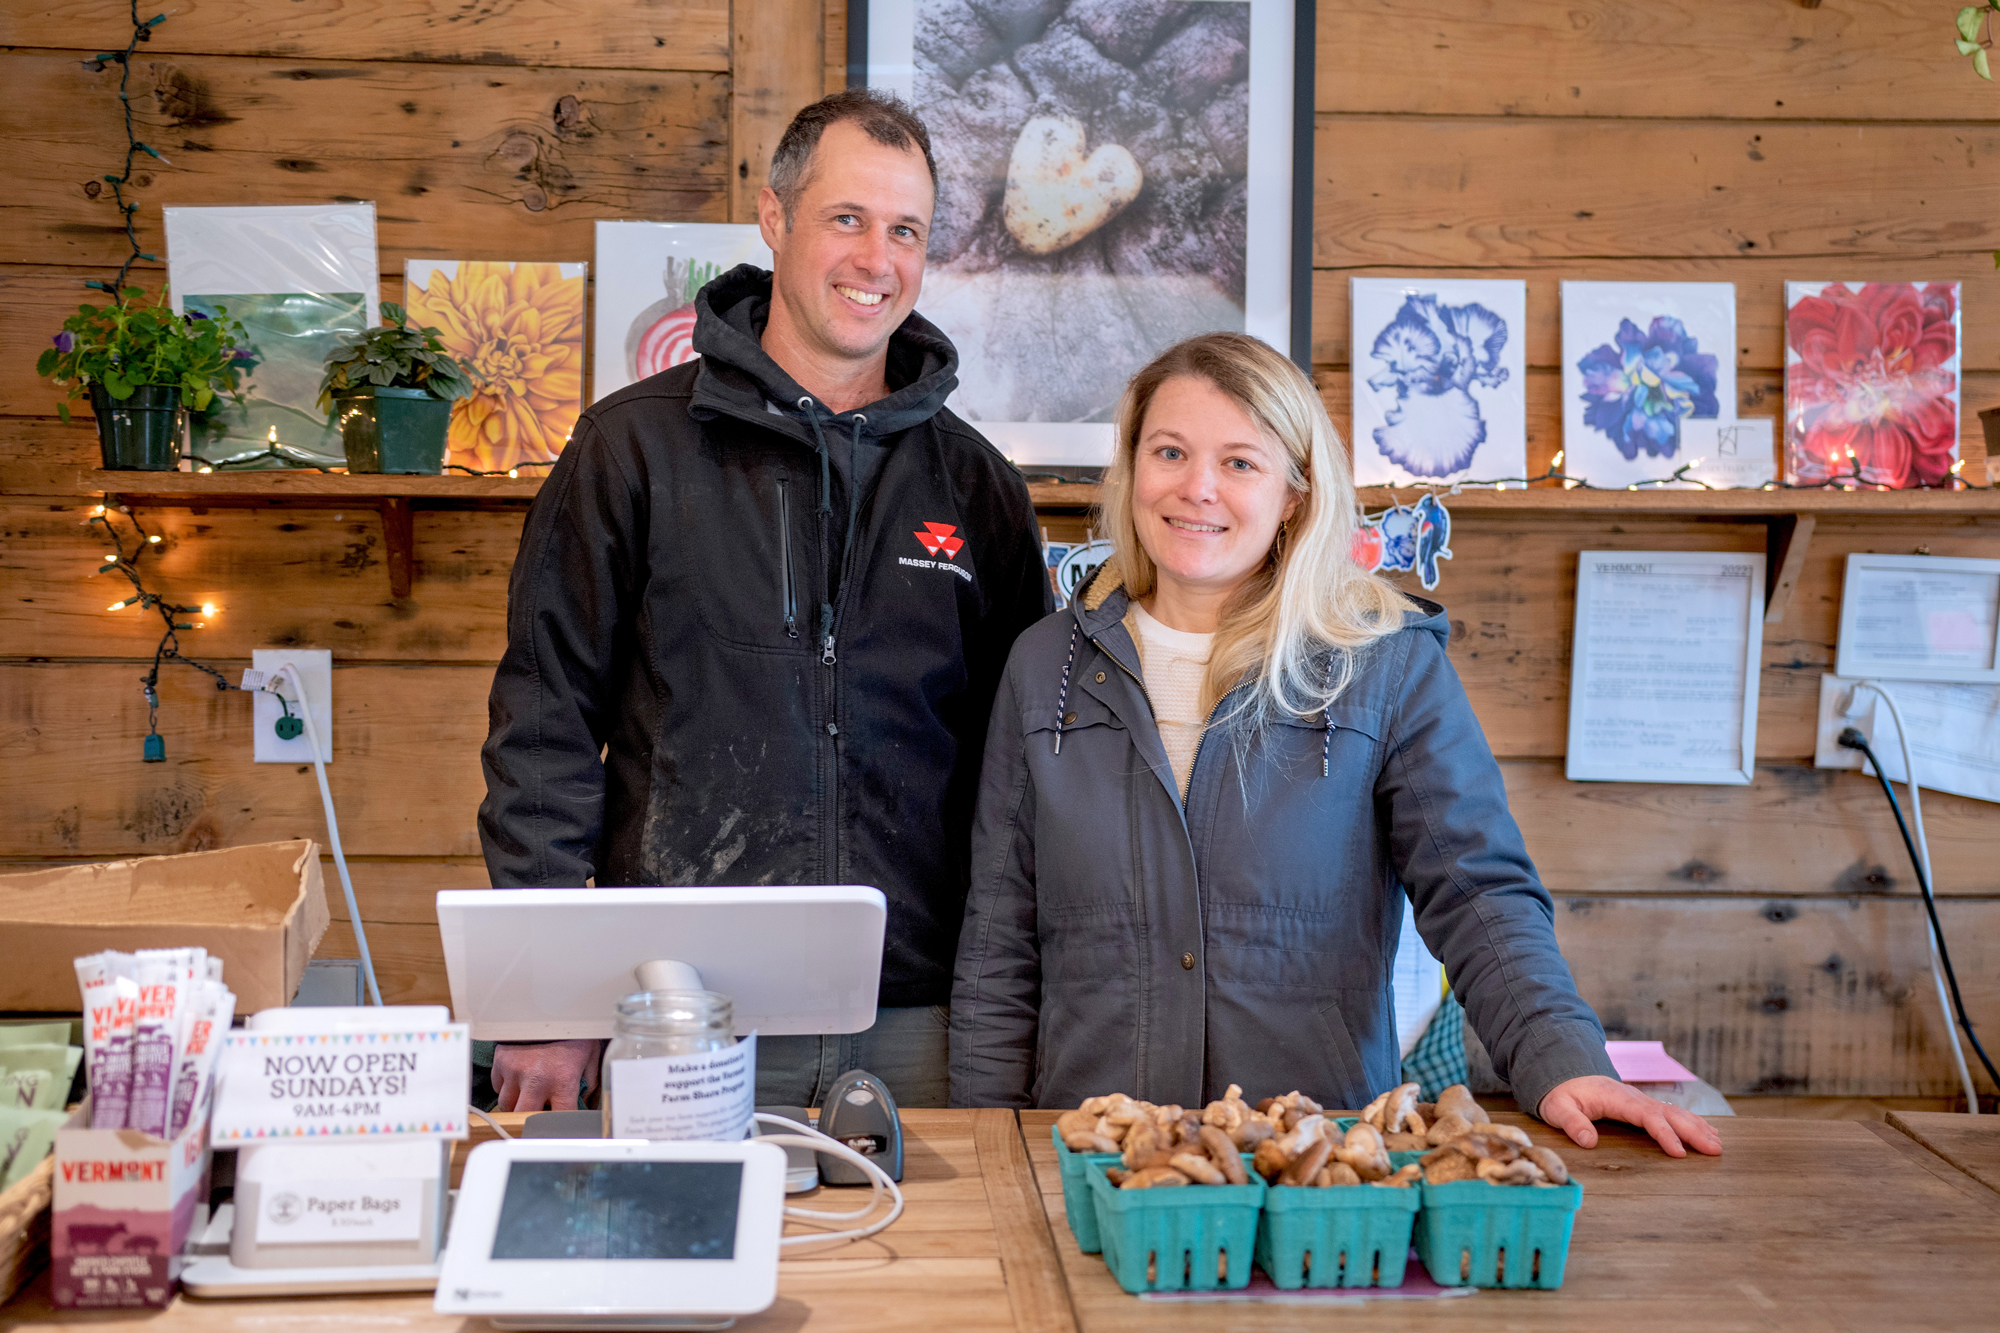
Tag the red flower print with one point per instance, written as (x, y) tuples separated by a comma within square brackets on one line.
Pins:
[(1874, 390)]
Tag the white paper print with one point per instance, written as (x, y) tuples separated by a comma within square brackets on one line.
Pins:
[(1642, 363), (1954, 734), (1663, 680), (286, 1086), (1440, 372), (647, 277), (707, 1095)]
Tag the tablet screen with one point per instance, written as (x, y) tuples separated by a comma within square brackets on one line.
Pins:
[(619, 1210)]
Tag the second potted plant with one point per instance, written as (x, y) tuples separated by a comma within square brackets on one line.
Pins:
[(391, 389)]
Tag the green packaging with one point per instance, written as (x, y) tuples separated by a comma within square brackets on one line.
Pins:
[(38, 1077), (34, 1034), (26, 1137)]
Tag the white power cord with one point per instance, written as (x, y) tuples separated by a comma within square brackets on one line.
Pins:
[(800, 1136), (1923, 855), (332, 825)]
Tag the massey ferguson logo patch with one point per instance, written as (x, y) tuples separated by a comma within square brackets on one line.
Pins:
[(937, 540)]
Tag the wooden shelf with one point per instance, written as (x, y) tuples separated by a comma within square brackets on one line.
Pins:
[(1789, 516), (260, 487), (1664, 503)]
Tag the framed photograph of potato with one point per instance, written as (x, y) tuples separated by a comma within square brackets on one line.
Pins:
[(1113, 176)]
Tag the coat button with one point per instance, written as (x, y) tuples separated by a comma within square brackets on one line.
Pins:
[(1187, 961), (1100, 678), (1069, 719)]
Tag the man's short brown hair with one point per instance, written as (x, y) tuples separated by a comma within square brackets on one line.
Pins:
[(882, 116)]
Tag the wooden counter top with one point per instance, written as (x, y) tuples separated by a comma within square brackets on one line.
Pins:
[(971, 1254), (1807, 1225), (1969, 1142)]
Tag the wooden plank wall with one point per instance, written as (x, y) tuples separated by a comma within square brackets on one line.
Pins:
[(1770, 935)]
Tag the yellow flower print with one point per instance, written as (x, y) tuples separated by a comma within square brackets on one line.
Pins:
[(518, 331)]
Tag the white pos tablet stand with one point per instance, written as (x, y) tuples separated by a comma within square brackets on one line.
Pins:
[(546, 964)]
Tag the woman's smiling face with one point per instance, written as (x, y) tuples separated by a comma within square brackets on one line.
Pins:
[(1209, 489)]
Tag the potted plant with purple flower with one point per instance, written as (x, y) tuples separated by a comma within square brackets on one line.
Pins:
[(141, 365)]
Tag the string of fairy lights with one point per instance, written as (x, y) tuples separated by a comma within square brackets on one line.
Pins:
[(1848, 480), (116, 560), (142, 31)]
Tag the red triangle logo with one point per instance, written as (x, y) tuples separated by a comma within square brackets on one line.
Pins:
[(937, 540)]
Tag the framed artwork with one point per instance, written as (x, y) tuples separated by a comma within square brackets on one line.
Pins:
[(1871, 382), (1440, 372), (1649, 370), (298, 277), (647, 277), (1112, 178), (1664, 669), (518, 331)]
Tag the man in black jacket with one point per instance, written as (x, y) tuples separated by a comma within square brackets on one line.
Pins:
[(774, 589)]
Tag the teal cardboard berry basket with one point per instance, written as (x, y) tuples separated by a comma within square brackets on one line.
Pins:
[(1474, 1233), (1077, 1205), (1336, 1236), (1190, 1238)]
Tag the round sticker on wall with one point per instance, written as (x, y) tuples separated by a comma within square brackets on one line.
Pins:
[(1077, 567)]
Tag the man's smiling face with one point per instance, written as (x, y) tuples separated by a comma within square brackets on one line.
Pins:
[(849, 260)]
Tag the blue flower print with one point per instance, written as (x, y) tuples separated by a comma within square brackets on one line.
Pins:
[(1431, 356), (1640, 390)]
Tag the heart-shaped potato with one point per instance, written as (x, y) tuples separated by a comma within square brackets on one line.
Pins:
[(1055, 195)]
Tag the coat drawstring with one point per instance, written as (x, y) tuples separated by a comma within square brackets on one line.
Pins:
[(1062, 698), (1326, 747), (810, 409)]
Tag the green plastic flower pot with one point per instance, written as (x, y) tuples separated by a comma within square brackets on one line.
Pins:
[(141, 433), (393, 430)]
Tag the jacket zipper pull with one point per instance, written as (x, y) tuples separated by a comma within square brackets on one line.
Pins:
[(826, 650)]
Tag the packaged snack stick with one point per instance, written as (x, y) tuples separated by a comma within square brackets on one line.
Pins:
[(164, 978), (110, 1000), (214, 1007)]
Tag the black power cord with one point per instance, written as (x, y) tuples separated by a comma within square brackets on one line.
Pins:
[(1852, 738)]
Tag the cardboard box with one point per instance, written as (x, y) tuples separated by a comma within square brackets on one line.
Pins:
[(124, 1205), (261, 909)]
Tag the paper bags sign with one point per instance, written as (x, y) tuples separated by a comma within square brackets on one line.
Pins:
[(278, 1086)]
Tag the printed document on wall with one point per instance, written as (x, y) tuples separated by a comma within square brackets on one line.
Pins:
[(1954, 733), (1663, 676)]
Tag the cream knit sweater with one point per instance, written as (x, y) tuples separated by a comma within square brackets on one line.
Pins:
[(1172, 662)]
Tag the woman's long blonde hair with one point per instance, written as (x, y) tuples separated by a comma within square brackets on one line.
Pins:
[(1310, 596)]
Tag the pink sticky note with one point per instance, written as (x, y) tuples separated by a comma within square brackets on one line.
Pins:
[(1646, 1062)]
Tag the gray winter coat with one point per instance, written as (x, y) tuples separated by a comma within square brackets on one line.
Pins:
[(1116, 943)]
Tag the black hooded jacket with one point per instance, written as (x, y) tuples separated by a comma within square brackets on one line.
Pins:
[(788, 675)]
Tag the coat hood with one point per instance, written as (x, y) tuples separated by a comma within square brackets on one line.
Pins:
[(737, 378)]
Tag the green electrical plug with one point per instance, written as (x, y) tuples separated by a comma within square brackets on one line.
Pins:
[(288, 726)]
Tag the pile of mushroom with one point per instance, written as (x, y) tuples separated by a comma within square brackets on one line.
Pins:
[(1311, 1150), (1464, 1145), (1293, 1141), (1169, 1145)]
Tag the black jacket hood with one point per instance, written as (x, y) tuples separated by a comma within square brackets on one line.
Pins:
[(737, 378)]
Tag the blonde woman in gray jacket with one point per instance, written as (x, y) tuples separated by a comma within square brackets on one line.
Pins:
[(1212, 782)]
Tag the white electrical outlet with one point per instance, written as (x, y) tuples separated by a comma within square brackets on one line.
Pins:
[(315, 669), (1842, 706)]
